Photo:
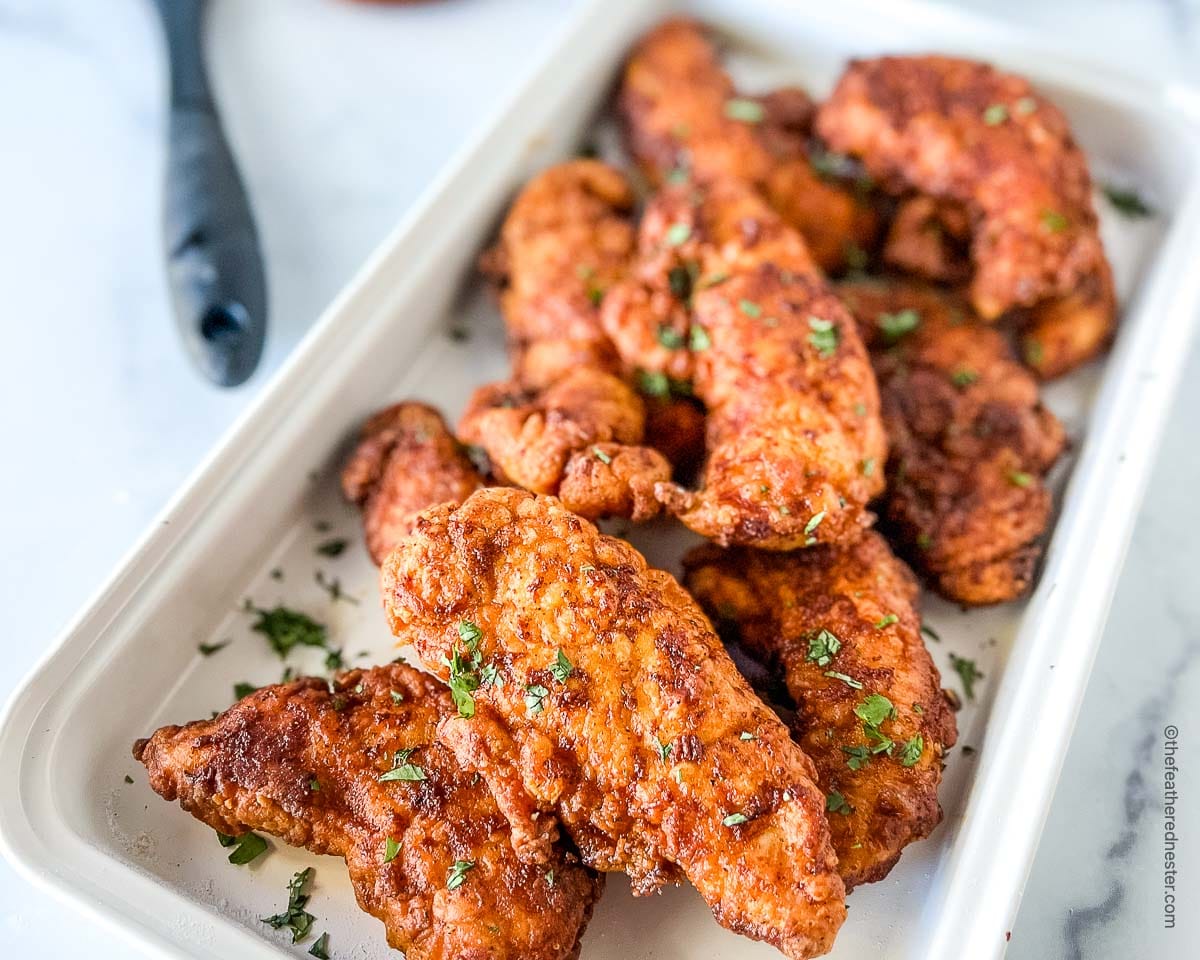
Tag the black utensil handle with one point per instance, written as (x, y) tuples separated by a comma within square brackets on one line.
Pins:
[(214, 267)]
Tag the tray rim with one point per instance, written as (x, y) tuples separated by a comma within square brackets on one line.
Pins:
[(974, 909)]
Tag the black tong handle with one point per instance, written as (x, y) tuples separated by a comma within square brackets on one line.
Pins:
[(214, 267)]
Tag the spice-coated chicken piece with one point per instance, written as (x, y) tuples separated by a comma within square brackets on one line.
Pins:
[(594, 694), (840, 624), (406, 460), (683, 116), (970, 441), (357, 772), (759, 338), (964, 132)]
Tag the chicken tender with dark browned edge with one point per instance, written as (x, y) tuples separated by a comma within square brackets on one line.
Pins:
[(759, 338), (970, 441), (406, 460), (357, 772), (682, 116), (962, 131), (840, 624), (593, 694)]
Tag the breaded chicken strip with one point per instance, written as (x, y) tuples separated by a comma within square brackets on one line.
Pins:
[(964, 132), (567, 238), (681, 112), (356, 772), (840, 624), (792, 406), (970, 441), (594, 694), (406, 460)]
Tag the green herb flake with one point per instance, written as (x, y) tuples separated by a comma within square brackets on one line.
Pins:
[(128, 778), (535, 697), (735, 820), (967, 672), (1054, 221), (698, 338), (320, 949), (750, 308), (1127, 202), (814, 522), (314, 785), (836, 803), (746, 111), (822, 647), (295, 917), (1019, 478), (886, 621), (962, 377), (397, 696), (403, 769), (333, 548), (995, 115), (1026, 106), (550, 878), (857, 757), (848, 681), (924, 540), (1034, 353), (561, 668), (823, 336), (208, 649), (874, 709), (664, 750), (243, 689), (678, 175), (911, 750), (653, 383), (458, 873), (669, 337), (867, 466), (464, 663), (678, 233), (894, 326), (930, 633), (391, 848), (601, 455), (225, 839), (287, 629)]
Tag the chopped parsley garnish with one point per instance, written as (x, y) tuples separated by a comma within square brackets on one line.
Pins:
[(320, 949), (911, 750), (469, 633), (458, 873), (967, 672), (735, 819), (848, 681), (1026, 106), (1033, 353), (836, 803), (561, 668), (669, 337), (747, 111), (1019, 478), (822, 647), (995, 115), (549, 878), (1127, 202), (867, 466), (243, 689), (295, 918), (857, 757), (287, 629), (397, 696), (924, 540), (750, 308), (464, 664), (678, 175), (333, 586), (334, 659), (601, 455), (664, 750), (930, 633), (698, 338), (823, 336), (962, 377), (678, 233), (314, 785), (893, 326), (830, 165), (208, 649), (886, 621), (874, 709), (653, 383), (814, 522), (489, 676), (1054, 221), (535, 697), (680, 279), (747, 735), (402, 769), (390, 849), (333, 548), (128, 778)]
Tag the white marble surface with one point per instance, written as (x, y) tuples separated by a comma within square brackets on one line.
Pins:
[(339, 126)]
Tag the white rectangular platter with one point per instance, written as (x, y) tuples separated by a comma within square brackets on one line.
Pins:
[(248, 523)]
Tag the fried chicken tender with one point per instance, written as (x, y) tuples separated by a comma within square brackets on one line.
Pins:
[(792, 406), (566, 239), (406, 460), (680, 111), (306, 764), (850, 611), (970, 441), (615, 713), (961, 131)]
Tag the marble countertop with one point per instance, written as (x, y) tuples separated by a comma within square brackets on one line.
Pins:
[(340, 123)]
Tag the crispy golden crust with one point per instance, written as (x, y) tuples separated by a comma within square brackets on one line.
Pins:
[(930, 238), (674, 106), (253, 767), (777, 604), (647, 676), (406, 460), (970, 443), (962, 131), (567, 238), (792, 406)]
